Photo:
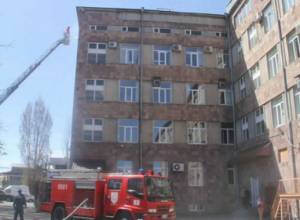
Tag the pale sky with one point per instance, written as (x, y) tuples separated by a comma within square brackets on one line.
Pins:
[(29, 28)]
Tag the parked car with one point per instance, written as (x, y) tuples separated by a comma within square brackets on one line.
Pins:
[(12, 191)]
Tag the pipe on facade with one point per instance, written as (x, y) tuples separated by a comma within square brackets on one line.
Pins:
[(141, 74)]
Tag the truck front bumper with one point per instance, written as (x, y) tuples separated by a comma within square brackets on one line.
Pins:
[(169, 216)]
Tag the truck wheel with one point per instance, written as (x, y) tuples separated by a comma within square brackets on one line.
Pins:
[(123, 216), (58, 213)]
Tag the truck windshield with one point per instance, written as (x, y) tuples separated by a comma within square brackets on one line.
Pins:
[(158, 189)]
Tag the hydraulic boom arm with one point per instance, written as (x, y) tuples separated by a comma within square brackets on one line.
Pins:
[(65, 40)]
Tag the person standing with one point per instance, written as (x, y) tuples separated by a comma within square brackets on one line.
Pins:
[(19, 204)]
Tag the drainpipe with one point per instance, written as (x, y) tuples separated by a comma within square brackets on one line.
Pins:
[(287, 114), (228, 29), (141, 74)]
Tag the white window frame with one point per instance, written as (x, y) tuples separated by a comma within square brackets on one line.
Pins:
[(158, 30), (92, 128), (94, 28), (161, 52), (278, 111), (197, 130), (97, 51), (243, 90), (132, 89), (260, 121), (227, 130), (243, 12), (255, 74), (199, 57), (287, 5), (129, 51), (197, 95), (165, 134), (165, 94), (245, 128), (292, 44), (269, 17), (252, 36), (130, 129), (162, 168), (221, 59), (227, 93), (273, 62), (297, 99), (195, 174), (95, 88)]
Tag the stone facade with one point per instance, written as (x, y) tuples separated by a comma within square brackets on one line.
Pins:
[(273, 154), (212, 191)]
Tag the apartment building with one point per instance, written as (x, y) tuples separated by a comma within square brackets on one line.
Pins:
[(153, 91), (264, 43)]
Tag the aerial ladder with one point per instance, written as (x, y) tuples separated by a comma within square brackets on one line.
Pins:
[(65, 40)]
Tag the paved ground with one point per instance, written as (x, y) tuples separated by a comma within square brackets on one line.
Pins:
[(6, 213)]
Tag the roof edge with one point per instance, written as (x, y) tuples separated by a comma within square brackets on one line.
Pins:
[(170, 12), (230, 6)]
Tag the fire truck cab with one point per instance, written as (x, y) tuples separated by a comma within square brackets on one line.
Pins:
[(108, 196)]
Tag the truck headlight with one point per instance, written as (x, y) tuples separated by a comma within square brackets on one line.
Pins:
[(152, 210)]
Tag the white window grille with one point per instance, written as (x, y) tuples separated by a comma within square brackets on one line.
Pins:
[(96, 53), (278, 112), (93, 130), (194, 57), (128, 131), (163, 93), (161, 55), (260, 121), (129, 90), (129, 54), (94, 89), (273, 62)]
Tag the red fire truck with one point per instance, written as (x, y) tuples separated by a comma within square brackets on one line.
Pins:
[(94, 195)]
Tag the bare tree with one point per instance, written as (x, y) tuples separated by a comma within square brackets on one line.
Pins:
[(2, 150), (35, 130)]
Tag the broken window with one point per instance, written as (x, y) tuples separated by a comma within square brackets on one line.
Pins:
[(163, 132), (162, 94), (197, 132), (195, 94)]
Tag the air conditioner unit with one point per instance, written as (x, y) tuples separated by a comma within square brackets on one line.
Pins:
[(112, 44), (208, 49), (259, 17), (177, 48), (156, 81), (178, 167)]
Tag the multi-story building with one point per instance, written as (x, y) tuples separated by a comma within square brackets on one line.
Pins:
[(264, 41), (153, 91)]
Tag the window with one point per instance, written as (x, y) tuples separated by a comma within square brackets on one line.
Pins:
[(193, 57), (269, 18), (227, 133), (163, 132), (196, 132), (195, 174), (124, 166), (259, 121), (243, 91), (273, 62), (240, 53), (162, 30), (98, 28), (136, 184), (297, 101), (129, 54), (163, 93), (195, 94), (130, 29), (225, 97), (161, 55), (283, 155), (278, 112), (231, 175), (252, 36), (93, 130), (222, 59), (94, 90), (96, 53), (255, 74), (128, 90), (245, 129), (161, 167), (114, 184), (221, 34), (243, 12), (287, 4), (293, 46), (192, 32), (128, 131)]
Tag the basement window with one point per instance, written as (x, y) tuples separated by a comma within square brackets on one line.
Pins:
[(162, 30)]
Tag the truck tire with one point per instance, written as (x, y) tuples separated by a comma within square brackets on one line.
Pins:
[(123, 216), (58, 213)]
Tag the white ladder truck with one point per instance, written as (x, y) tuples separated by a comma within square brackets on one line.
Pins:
[(65, 40)]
